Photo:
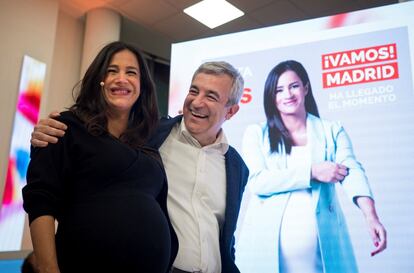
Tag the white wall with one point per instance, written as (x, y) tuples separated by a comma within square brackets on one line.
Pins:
[(66, 63)]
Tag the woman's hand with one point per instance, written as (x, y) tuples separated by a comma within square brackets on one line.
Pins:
[(328, 172), (375, 228), (378, 235)]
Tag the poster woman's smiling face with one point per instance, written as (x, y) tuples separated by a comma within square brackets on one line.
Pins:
[(290, 94)]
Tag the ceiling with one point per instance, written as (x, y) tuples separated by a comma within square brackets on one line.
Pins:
[(167, 18)]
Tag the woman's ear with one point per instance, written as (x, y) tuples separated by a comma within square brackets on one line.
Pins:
[(306, 88)]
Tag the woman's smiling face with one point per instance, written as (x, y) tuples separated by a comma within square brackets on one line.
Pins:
[(122, 82), (290, 93)]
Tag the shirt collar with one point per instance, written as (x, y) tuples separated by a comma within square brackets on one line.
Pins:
[(221, 143)]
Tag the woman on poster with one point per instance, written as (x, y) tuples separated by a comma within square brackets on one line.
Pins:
[(294, 222)]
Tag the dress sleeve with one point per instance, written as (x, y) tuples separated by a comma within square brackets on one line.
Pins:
[(47, 171), (355, 183), (265, 180)]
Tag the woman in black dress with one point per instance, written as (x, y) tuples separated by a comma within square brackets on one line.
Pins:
[(104, 186)]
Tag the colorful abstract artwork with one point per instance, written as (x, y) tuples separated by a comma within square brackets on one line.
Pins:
[(12, 215)]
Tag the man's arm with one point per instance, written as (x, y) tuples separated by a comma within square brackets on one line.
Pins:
[(47, 131)]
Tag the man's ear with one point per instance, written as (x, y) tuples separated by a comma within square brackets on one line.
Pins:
[(232, 110)]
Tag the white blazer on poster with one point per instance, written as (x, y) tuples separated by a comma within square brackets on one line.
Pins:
[(271, 183)]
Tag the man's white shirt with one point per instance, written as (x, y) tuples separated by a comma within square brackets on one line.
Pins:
[(196, 197)]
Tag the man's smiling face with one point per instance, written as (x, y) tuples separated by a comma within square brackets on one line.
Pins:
[(205, 107)]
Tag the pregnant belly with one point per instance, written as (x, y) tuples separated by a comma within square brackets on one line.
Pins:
[(129, 227)]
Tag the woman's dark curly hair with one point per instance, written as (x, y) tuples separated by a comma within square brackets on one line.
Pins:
[(91, 107)]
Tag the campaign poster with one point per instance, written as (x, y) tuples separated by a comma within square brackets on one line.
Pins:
[(360, 66)]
